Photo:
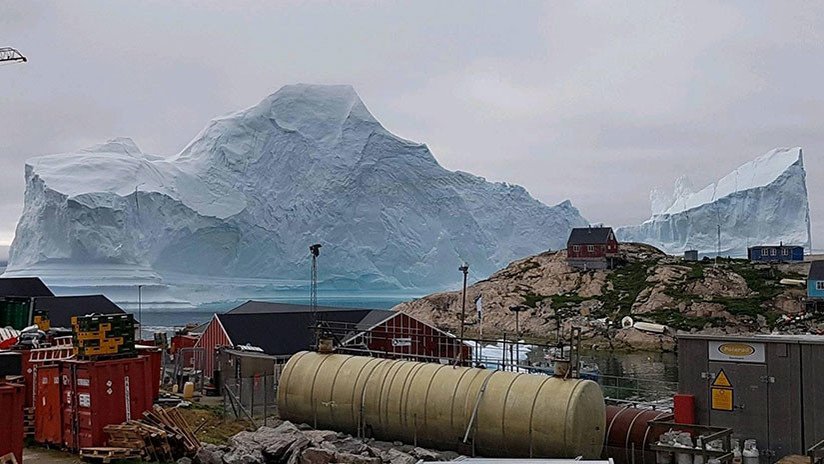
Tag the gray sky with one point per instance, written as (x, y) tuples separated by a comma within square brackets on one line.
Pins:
[(595, 102)]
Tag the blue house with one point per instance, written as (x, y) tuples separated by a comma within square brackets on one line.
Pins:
[(815, 281), (775, 253)]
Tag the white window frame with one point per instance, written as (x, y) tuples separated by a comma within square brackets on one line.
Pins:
[(773, 252), (819, 285), (576, 248), (590, 248), (785, 252)]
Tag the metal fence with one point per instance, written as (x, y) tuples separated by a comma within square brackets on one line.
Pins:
[(252, 398)]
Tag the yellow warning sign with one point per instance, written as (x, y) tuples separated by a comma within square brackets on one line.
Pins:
[(721, 380), (722, 399)]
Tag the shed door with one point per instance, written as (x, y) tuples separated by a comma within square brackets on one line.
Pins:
[(748, 417)]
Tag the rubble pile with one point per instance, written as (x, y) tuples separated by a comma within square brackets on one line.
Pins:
[(300, 444)]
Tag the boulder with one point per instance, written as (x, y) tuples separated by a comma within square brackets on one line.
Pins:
[(209, 454), (319, 436), (424, 454), (295, 449), (244, 456), (276, 448), (349, 458), (394, 456), (287, 427), (316, 456)]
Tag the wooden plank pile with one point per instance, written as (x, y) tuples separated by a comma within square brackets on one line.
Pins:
[(162, 435)]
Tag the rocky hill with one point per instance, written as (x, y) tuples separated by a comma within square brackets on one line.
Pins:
[(648, 285)]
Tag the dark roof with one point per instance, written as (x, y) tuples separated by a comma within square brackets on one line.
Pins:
[(257, 307), (24, 287), (61, 308), (816, 271), (775, 246), (589, 235), (284, 332)]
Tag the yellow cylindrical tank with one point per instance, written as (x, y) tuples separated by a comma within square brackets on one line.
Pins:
[(501, 413)]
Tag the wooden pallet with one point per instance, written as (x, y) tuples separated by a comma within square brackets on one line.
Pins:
[(161, 435), (108, 454)]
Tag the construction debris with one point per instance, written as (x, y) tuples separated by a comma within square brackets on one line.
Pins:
[(162, 435)]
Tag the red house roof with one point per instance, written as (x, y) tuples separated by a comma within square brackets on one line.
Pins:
[(590, 236)]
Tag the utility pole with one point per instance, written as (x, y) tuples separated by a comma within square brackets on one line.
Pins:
[(718, 246), (139, 312), (465, 270)]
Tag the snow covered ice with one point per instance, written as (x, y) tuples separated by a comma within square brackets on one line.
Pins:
[(243, 201), (763, 202)]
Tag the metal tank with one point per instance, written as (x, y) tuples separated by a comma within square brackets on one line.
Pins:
[(629, 434), (495, 413)]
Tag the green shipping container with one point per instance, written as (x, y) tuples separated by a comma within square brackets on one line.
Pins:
[(14, 314)]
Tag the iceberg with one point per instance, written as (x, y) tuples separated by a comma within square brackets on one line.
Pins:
[(241, 203), (762, 202)]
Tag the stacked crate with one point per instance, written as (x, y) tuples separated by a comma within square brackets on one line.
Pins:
[(102, 336)]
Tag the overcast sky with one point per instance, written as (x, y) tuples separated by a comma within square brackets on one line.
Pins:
[(593, 102)]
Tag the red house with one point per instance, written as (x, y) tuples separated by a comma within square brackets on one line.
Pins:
[(592, 248)]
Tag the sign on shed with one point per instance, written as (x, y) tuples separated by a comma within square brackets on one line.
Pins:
[(721, 390)]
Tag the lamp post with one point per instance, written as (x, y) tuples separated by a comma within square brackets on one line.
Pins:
[(465, 270), (517, 309)]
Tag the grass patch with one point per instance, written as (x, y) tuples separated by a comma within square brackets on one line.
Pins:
[(673, 318), (217, 430), (532, 299), (627, 282), (566, 299), (696, 272)]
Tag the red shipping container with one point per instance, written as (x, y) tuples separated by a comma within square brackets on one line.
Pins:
[(11, 419), (48, 424), (101, 393), (155, 355), (28, 372)]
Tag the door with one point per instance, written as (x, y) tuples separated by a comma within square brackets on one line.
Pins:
[(749, 400)]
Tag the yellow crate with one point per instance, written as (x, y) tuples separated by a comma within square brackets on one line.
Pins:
[(42, 323), (91, 335)]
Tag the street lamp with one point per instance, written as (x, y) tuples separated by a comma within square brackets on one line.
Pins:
[(517, 309), (465, 270)]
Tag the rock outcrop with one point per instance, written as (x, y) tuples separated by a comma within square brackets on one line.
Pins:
[(648, 285), (289, 444)]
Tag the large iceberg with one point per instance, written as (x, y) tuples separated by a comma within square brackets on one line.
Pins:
[(763, 202), (244, 200)]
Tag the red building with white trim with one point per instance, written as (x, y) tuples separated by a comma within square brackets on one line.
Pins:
[(592, 248)]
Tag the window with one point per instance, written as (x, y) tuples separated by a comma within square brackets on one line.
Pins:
[(819, 285), (590, 248), (785, 251), (772, 252), (576, 248)]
